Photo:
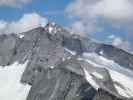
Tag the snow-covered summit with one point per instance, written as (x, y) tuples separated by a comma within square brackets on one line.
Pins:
[(53, 28)]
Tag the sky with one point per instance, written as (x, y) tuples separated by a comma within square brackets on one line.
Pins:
[(108, 21)]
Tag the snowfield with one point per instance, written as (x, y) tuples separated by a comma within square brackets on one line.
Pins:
[(121, 77), (10, 86)]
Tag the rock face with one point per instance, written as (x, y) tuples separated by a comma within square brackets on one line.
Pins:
[(103, 95), (59, 84), (54, 70)]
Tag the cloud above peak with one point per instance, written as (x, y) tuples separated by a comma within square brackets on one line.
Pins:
[(26, 22), (114, 9), (119, 42), (13, 3), (97, 16), (117, 12)]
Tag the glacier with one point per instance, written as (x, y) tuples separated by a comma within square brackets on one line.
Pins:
[(10, 86), (121, 77)]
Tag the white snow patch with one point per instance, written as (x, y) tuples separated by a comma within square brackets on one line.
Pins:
[(10, 86), (70, 51), (21, 36), (50, 29), (121, 91), (89, 78), (52, 67), (96, 74), (101, 52)]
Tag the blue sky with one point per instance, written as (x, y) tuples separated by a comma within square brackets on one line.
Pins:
[(107, 24), (42, 7)]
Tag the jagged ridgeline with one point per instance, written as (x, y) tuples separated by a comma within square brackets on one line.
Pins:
[(60, 65)]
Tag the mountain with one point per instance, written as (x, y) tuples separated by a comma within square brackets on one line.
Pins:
[(50, 63)]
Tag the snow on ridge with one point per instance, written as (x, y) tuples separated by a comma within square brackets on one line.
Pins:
[(70, 51), (21, 36), (10, 86), (122, 77), (98, 75), (125, 86), (50, 29), (89, 78), (94, 58)]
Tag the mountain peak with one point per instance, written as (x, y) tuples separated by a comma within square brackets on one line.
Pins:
[(56, 58), (53, 28)]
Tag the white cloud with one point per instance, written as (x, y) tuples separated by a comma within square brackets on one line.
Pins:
[(15, 3), (117, 12), (114, 9), (78, 27), (117, 41), (120, 42), (27, 22)]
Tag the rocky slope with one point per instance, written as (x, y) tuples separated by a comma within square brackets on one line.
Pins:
[(64, 66)]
